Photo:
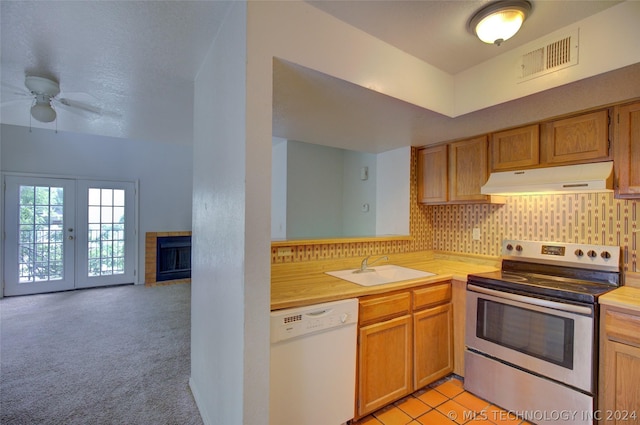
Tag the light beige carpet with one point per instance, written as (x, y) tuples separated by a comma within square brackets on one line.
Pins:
[(118, 355)]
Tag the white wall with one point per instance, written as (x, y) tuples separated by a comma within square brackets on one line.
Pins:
[(314, 190), (608, 41), (231, 232), (279, 189), (164, 171), (357, 192), (323, 191), (392, 192)]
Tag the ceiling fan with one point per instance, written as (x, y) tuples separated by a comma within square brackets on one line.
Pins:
[(44, 97)]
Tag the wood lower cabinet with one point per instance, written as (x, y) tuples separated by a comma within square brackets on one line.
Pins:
[(384, 359), (433, 348), (404, 343), (619, 388), (627, 151)]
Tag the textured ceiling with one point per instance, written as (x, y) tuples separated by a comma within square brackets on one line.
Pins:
[(436, 31), (137, 60)]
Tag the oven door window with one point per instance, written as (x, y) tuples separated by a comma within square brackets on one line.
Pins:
[(537, 334)]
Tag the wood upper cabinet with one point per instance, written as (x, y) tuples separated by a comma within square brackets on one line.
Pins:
[(583, 138), (468, 169), (627, 151), (432, 175), (515, 148), (619, 392), (454, 173)]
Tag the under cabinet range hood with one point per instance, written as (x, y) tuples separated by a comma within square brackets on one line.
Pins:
[(593, 177)]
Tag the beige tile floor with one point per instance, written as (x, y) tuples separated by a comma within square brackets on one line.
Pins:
[(443, 403)]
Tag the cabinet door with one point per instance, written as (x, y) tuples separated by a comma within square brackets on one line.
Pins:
[(621, 389), (583, 138), (384, 363), (433, 344), (468, 169), (432, 174), (627, 151), (517, 148)]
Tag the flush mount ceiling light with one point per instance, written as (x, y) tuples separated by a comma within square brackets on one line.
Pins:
[(499, 21)]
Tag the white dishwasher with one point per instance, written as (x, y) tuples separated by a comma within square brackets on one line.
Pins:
[(313, 364)]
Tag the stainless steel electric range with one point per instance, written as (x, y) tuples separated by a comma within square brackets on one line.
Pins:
[(532, 329)]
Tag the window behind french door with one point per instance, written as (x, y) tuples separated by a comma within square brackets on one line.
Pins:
[(62, 234)]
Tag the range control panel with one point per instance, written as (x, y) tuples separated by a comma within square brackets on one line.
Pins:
[(597, 257)]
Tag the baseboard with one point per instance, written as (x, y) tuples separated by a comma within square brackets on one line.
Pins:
[(199, 403)]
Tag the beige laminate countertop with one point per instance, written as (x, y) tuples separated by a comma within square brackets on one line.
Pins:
[(306, 283), (625, 297)]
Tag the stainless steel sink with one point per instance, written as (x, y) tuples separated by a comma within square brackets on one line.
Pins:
[(379, 275)]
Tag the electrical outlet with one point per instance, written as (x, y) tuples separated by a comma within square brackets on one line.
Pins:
[(476, 233), (284, 252)]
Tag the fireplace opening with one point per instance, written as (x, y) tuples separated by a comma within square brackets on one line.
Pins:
[(173, 260)]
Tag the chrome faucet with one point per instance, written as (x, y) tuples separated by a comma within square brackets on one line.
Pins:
[(364, 266)]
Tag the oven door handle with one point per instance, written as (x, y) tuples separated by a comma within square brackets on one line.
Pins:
[(572, 308)]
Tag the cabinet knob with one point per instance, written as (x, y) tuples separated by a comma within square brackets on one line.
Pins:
[(509, 247), (519, 248)]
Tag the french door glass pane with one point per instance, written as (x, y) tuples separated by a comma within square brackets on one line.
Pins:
[(40, 244), (106, 239)]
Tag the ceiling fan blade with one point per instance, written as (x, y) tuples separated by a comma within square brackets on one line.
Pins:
[(24, 101), (71, 104), (15, 90)]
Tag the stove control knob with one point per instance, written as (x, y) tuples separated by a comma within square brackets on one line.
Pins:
[(579, 252), (592, 254), (606, 255), (509, 247), (519, 248)]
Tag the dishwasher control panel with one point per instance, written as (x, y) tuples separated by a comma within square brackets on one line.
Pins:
[(297, 322)]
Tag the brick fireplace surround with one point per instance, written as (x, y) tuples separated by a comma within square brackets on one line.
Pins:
[(150, 252)]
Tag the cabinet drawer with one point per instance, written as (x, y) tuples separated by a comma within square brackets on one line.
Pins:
[(432, 295), (384, 307), (622, 327)]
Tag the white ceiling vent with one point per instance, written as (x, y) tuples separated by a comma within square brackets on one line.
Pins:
[(553, 56)]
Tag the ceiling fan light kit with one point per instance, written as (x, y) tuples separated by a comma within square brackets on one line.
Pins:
[(499, 21), (44, 90), (43, 112)]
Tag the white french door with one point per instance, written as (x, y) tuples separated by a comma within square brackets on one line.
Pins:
[(62, 234), (39, 235)]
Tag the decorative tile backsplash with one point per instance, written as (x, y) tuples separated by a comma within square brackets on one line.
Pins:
[(594, 218)]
